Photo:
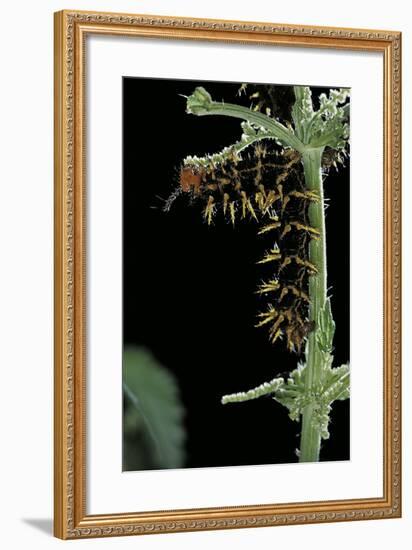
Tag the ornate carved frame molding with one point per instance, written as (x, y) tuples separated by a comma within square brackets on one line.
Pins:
[(71, 520)]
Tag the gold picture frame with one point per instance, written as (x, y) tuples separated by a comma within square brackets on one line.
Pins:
[(71, 520)]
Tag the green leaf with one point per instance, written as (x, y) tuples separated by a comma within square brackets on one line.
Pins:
[(325, 328), (200, 103), (302, 111), (264, 389), (337, 384), (153, 422)]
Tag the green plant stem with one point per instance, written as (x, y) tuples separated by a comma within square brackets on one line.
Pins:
[(310, 435)]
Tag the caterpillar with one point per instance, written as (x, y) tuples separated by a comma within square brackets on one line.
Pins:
[(240, 187), (266, 185)]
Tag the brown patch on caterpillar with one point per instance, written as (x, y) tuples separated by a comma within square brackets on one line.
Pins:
[(189, 179)]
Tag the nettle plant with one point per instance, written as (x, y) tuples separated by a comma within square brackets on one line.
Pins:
[(274, 175)]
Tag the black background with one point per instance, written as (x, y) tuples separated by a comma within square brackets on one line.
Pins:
[(189, 288)]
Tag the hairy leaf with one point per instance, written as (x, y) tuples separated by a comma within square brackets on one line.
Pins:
[(154, 433)]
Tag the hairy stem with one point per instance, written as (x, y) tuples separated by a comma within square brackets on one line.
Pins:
[(311, 435)]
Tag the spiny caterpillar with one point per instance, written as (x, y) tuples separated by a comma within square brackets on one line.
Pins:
[(265, 183)]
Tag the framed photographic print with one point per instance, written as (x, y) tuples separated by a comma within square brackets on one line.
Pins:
[(227, 274)]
